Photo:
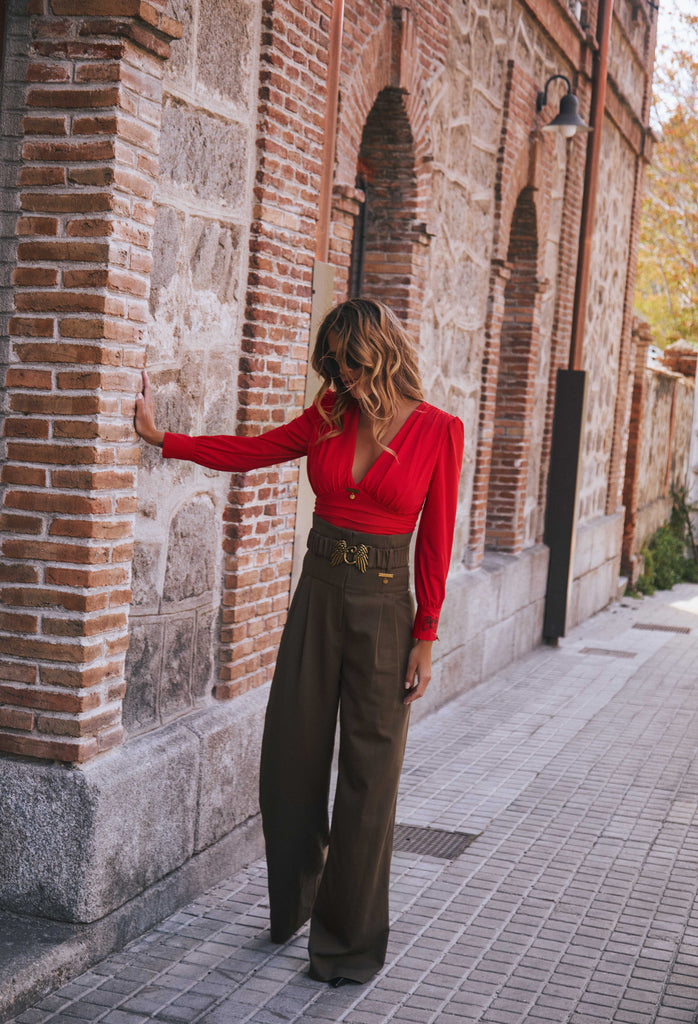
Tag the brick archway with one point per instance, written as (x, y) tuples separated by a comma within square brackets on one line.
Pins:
[(514, 402), (385, 228), (522, 190), (383, 143)]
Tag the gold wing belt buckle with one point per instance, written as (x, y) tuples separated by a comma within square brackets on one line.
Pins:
[(352, 554)]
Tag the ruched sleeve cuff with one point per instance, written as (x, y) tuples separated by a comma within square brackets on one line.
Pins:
[(426, 623)]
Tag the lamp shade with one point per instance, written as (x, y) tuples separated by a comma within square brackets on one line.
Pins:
[(568, 121)]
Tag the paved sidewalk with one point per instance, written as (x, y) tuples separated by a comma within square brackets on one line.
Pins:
[(576, 903)]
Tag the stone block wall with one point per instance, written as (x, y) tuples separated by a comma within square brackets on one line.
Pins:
[(625, 153), (200, 241), (666, 436), (609, 269), (661, 437), (596, 567), (172, 811), (492, 615), (608, 349), (692, 475)]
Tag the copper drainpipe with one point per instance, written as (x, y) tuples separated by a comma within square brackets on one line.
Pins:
[(591, 181), (322, 246)]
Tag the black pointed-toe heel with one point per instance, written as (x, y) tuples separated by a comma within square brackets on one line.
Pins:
[(338, 982)]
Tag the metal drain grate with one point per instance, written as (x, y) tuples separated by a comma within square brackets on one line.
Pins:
[(662, 629), (434, 842), (608, 653)]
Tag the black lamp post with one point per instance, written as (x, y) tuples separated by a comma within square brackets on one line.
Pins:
[(568, 421)]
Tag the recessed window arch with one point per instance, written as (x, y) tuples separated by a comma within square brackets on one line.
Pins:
[(385, 227), (515, 397)]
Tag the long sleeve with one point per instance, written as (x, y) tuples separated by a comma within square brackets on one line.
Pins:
[(435, 535), (241, 454)]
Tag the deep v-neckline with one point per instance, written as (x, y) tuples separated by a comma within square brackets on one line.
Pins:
[(357, 416)]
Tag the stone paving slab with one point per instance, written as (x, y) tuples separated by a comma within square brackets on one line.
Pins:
[(576, 904)]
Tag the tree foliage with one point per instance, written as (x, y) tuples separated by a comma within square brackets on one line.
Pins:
[(667, 279)]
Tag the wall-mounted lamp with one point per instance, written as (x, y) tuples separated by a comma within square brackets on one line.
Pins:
[(568, 121)]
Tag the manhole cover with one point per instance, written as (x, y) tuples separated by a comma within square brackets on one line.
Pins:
[(434, 842)]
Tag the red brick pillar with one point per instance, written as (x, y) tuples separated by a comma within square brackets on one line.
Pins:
[(681, 357), (259, 532), (89, 162), (641, 341), (347, 204), (515, 392), (499, 276)]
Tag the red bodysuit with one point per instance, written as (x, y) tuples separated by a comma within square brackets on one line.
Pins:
[(422, 475)]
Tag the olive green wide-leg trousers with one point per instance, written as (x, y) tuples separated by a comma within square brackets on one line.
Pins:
[(345, 647)]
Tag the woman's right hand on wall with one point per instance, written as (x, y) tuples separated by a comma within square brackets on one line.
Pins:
[(144, 420)]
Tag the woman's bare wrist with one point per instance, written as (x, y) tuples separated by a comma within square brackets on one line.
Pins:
[(155, 438)]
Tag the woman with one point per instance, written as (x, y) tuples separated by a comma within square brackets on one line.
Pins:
[(378, 454)]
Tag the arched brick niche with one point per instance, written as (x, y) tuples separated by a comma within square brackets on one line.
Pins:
[(385, 226), (515, 390), (503, 496), (379, 239)]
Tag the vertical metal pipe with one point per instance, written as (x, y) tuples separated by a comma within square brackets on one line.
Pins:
[(322, 246), (591, 181), (358, 254)]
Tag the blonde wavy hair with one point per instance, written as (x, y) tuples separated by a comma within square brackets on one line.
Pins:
[(371, 340)]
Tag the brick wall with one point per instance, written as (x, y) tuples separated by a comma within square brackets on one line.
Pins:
[(681, 357), (15, 46), (13, 85), (259, 519), (89, 158)]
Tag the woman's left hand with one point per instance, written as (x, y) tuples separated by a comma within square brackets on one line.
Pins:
[(418, 671)]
